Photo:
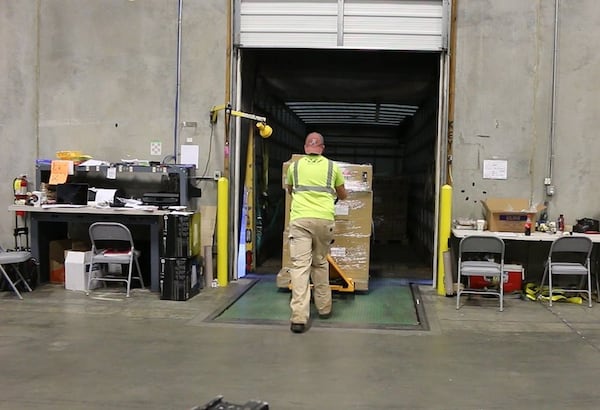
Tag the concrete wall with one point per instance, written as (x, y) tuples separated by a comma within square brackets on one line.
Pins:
[(101, 77), (504, 70), (18, 93)]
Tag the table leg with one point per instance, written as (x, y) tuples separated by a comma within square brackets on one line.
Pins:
[(154, 256), (35, 251)]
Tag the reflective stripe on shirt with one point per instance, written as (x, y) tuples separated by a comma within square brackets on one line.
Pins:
[(308, 188)]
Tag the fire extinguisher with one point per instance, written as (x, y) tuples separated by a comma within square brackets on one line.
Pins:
[(20, 188)]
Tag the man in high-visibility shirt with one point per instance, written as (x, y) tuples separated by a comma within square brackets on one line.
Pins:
[(314, 183)]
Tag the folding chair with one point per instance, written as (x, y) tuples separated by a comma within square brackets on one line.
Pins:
[(12, 259), (569, 256), (112, 244), (481, 255)]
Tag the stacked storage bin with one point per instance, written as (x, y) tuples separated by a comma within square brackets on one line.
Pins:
[(180, 268)]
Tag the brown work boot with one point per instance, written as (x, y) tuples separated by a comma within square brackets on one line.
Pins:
[(325, 316), (298, 327)]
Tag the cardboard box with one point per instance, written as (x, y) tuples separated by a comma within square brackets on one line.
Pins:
[(509, 214), (358, 177), (77, 270), (358, 206), (79, 245), (56, 263), (352, 254)]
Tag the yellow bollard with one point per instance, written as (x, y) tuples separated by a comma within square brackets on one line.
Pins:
[(222, 221), (445, 225)]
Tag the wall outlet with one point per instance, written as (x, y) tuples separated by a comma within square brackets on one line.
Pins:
[(189, 124), (217, 175)]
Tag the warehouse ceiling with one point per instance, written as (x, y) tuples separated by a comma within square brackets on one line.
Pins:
[(352, 96)]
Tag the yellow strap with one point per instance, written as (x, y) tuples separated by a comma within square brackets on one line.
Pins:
[(533, 292)]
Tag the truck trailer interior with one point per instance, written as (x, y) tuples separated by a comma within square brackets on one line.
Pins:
[(373, 107)]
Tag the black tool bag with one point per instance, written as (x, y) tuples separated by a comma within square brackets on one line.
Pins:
[(586, 225), (218, 404)]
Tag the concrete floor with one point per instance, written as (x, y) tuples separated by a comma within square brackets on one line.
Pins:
[(62, 350)]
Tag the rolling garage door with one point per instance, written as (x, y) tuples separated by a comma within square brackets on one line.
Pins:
[(411, 25)]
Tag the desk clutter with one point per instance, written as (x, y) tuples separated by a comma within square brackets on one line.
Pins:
[(180, 272), (125, 184), (151, 199), (518, 215)]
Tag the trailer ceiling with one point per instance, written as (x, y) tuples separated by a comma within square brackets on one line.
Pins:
[(351, 96)]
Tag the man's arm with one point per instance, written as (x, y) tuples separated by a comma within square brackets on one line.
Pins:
[(289, 178), (341, 192)]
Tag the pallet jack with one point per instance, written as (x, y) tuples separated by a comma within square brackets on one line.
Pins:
[(338, 280)]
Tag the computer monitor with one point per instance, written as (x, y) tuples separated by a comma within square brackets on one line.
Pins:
[(72, 193)]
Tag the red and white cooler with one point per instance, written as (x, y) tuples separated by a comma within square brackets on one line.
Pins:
[(514, 275)]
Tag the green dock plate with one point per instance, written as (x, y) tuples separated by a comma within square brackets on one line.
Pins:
[(389, 304)]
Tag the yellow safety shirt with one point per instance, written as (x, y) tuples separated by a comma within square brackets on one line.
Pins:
[(313, 179)]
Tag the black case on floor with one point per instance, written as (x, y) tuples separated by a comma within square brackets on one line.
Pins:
[(218, 404), (180, 235), (180, 278)]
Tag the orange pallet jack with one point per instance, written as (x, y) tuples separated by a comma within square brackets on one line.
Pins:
[(338, 280)]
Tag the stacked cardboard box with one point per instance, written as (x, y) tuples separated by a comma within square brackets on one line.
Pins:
[(353, 221)]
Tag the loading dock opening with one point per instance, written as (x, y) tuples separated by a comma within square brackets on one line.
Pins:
[(327, 66), (344, 94)]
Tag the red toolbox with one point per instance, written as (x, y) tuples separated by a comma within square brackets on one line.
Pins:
[(513, 279)]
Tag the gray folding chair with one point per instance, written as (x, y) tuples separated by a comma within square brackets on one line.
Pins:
[(12, 259), (481, 255), (112, 244), (569, 256)]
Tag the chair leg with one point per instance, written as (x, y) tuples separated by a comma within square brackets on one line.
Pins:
[(550, 287), (458, 291), (501, 291), (597, 287), (90, 279), (22, 279), (141, 279), (539, 291), (129, 274), (10, 282), (589, 292)]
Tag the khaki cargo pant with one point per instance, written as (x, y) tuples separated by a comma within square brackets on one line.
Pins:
[(310, 240)]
